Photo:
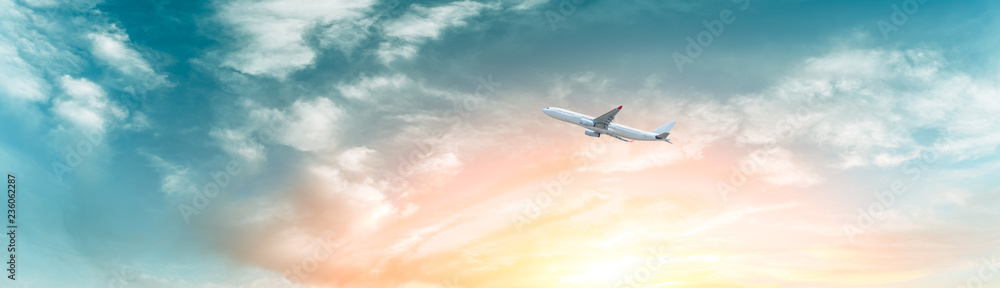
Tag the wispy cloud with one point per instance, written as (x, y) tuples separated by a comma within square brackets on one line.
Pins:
[(273, 34), (406, 34), (86, 105), (114, 49)]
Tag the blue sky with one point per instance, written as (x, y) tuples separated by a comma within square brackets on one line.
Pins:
[(411, 132)]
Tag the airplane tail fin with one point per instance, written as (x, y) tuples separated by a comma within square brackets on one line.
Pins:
[(664, 130)]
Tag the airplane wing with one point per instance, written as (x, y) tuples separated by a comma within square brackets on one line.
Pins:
[(603, 120), (623, 139)]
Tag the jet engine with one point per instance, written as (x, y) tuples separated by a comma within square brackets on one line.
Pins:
[(591, 133), (585, 122)]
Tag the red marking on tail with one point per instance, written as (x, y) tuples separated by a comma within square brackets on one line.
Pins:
[(619, 107)]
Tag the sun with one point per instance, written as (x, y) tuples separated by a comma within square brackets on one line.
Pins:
[(602, 273)]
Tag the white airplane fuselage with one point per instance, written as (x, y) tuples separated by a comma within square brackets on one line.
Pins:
[(612, 129)]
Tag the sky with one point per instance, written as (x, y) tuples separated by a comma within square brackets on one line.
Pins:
[(369, 143)]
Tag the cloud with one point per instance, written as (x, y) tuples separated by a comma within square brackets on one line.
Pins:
[(276, 33), (868, 105), (19, 79), (271, 34), (114, 48), (312, 126), (309, 126), (175, 180), (41, 3), (368, 85), (323, 206), (420, 24), (40, 48), (85, 105), (239, 143), (355, 159), (528, 4), (26, 52), (781, 168)]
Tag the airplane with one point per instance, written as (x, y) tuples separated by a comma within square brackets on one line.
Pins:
[(602, 125)]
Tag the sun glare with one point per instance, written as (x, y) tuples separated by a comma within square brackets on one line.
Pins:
[(604, 272)]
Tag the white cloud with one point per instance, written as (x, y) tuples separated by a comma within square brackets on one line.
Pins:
[(37, 45), (355, 159), (20, 44), (238, 142), (175, 179), (272, 33), (866, 104), (346, 37), (781, 168), (313, 126), (858, 107), (528, 4), (309, 126), (409, 31), (364, 87), (428, 23), (114, 49), (139, 122), (444, 163), (19, 79), (85, 105), (41, 3)]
